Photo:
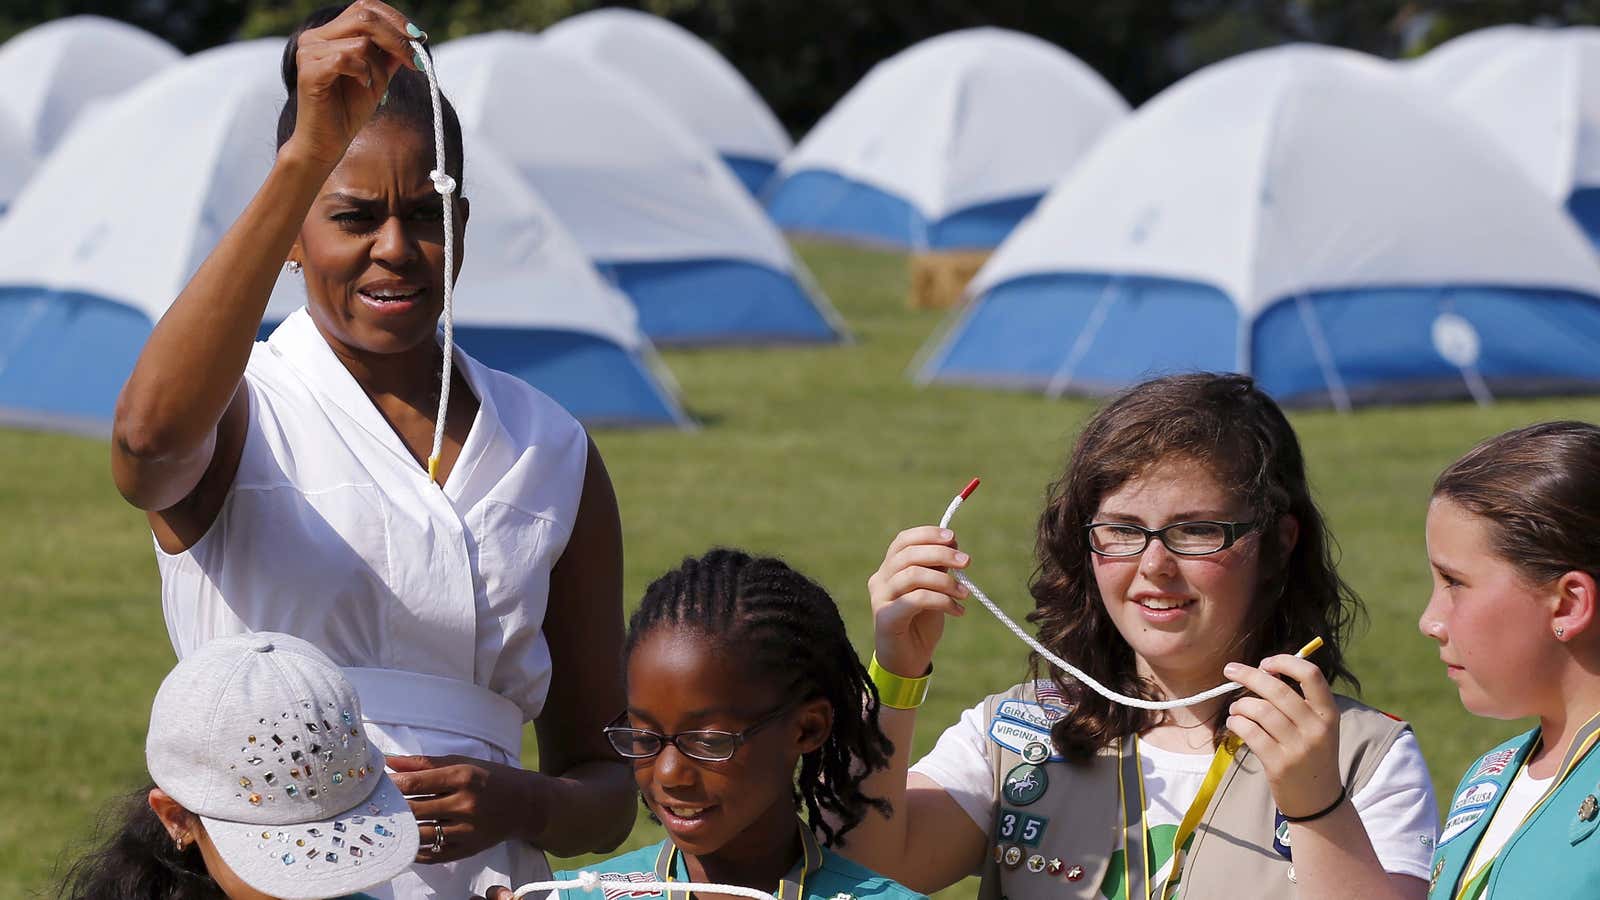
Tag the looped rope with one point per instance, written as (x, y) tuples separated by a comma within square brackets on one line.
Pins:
[(446, 187), (591, 881), (1058, 662)]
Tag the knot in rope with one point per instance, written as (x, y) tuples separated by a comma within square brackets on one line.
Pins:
[(442, 182), (588, 880)]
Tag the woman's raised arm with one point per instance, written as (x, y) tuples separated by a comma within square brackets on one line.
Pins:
[(183, 401)]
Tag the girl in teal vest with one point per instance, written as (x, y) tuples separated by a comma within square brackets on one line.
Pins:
[(747, 709), (1514, 544)]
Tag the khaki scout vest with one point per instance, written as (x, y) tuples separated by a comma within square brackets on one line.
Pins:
[(1232, 855)]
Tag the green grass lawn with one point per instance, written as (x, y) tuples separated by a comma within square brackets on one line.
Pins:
[(816, 454)]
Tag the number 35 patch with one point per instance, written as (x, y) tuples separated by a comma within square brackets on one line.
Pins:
[(1021, 828)]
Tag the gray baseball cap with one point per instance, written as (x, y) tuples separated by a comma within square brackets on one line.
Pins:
[(260, 735)]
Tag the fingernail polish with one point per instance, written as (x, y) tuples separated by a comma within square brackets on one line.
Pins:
[(422, 65), (961, 558), (416, 32), (946, 534)]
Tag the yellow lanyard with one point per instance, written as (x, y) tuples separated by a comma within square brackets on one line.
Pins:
[(1155, 884), (793, 885), (1582, 742)]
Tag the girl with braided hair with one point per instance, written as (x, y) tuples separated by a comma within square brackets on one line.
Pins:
[(739, 676)]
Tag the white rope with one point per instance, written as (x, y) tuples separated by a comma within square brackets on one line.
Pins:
[(1058, 662), (591, 881), (446, 186)]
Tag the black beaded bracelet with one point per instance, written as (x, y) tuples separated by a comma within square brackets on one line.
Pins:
[(1301, 820)]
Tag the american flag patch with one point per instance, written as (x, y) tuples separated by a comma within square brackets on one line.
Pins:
[(1047, 693), (1496, 762), (616, 893)]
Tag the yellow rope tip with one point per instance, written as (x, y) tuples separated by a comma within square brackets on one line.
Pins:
[(1311, 647), (433, 475)]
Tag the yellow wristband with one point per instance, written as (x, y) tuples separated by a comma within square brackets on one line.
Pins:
[(898, 691)]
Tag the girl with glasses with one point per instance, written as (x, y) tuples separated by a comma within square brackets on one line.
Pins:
[(1180, 546), (1512, 543), (751, 726)]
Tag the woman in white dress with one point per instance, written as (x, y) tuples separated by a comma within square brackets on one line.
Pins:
[(287, 488)]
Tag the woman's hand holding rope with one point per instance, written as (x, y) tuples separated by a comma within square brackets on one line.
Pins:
[(1295, 737), (344, 69)]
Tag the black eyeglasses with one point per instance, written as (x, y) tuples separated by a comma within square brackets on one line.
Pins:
[(706, 745), (1183, 538)]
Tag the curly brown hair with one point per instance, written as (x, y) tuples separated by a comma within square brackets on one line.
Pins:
[(1229, 426)]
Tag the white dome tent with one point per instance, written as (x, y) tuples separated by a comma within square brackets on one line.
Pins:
[(54, 72), (1537, 91), (947, 144), (649, 202), (100, 243), (692, 80), (1302, 215)]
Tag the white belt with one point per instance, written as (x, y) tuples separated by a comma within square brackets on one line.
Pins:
[(398, 697)]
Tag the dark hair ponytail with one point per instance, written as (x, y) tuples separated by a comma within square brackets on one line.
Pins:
[(409, 100), (135, 859), (787, 631)]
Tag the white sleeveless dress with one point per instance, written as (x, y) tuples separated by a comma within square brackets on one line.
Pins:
[(432, 600)]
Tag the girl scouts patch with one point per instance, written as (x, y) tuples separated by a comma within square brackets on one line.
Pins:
[(1478, 793), (1025, 784)]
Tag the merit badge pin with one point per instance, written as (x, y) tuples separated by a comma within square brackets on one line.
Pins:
[(1025, 784), (1013, 856), (1035, 752), (1054, 866), (1433, 881), (1589, 808), (1280, 835), (1036, 864), (1075, 873)]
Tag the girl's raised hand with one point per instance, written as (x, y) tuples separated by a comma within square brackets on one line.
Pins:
[(344, 69), (911, 594), (1295, 737)]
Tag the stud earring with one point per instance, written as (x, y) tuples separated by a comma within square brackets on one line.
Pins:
[(293, 266), (1560, 630)]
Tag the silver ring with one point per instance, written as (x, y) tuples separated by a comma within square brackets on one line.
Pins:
[(438, 838)]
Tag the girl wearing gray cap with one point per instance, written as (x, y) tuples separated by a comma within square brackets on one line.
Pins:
[(265, 787)]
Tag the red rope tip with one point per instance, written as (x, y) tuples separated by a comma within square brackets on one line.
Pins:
[(971, 486)]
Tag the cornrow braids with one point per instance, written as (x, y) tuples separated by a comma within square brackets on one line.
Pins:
[(788, 631)]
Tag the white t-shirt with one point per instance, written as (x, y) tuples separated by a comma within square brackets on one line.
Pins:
[(1396, 805), (1521, 796)]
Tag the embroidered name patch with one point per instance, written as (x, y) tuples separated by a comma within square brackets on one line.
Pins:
[(1478, 793), (1458, 824), (1016, 737), (1496, 762)]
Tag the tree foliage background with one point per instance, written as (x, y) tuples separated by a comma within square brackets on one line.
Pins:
[(802, 55)]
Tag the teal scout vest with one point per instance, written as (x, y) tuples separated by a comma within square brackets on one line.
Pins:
[(1554, 855), (819, 874)]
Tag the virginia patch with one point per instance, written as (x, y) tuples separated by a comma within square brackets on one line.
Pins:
[(1016, 737)]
